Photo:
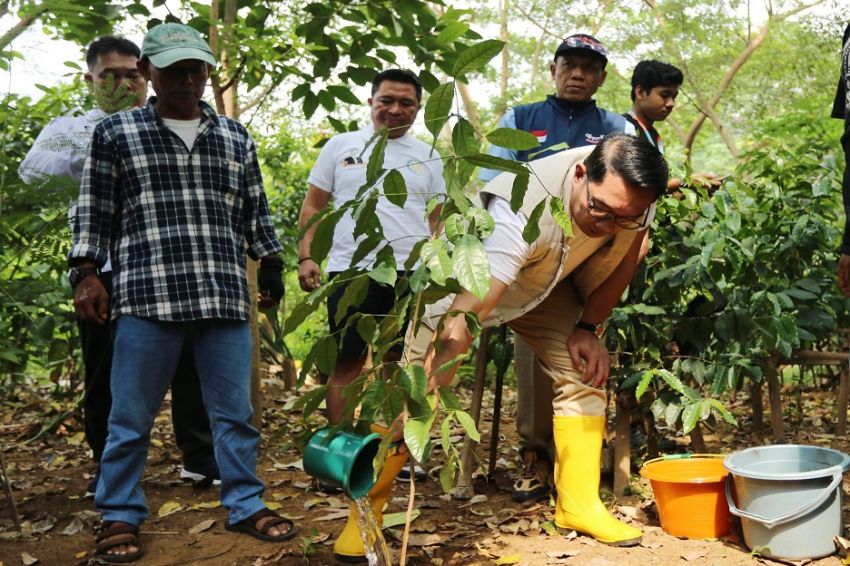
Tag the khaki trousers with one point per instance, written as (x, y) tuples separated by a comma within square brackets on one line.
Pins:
[(545, 329), (534, 396)]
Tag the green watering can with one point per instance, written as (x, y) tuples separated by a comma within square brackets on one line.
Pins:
[(343, 459)]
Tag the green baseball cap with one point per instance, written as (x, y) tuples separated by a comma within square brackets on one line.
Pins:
[(165, 44)]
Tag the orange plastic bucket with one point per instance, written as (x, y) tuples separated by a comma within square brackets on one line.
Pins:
[(690, 493)]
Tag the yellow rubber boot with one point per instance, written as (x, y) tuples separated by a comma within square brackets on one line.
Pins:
[(578, 447), (349, 546)]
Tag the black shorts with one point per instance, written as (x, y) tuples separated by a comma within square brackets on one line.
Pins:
[(379, 300)]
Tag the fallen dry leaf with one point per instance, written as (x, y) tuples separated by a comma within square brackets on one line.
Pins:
[(44, 525), (273, 505), (566, 553), (202, 526), (333, 515), (417, 539), (80, 554), (206, 505), (695, 555), (475, 499), (510, 559), (168, 508), (75, 527), (28, 559), (633, 513), (296, 465)]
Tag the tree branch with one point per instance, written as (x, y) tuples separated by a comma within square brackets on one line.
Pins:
[(19, 28)]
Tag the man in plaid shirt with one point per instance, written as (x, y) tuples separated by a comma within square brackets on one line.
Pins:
[(173, 192)]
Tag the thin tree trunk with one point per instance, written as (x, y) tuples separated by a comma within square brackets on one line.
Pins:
[(469, 106), (464, 489), (757, 408), (21, 26), (771, 372), (503, 84)]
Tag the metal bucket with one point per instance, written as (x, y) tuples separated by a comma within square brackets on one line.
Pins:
[(788, 498)]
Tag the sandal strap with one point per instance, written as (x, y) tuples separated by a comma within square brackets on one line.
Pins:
[(113, 528), (275, 521), (116, 540)]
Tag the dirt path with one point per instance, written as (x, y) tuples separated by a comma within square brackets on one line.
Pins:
[(49, 477)]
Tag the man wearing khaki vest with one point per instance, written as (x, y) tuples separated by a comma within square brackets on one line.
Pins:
[(556, 293)]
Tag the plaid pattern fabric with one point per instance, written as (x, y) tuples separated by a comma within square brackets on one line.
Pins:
[(176, 223)]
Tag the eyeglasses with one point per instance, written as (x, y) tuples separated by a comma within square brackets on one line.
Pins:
[(602, 215)]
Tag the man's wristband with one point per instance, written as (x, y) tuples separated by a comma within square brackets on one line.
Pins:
[(596, 329), (303, 259)]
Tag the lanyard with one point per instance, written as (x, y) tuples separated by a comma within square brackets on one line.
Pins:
[(646, 130)]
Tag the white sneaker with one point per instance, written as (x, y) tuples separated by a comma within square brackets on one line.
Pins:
[(198, 480), (418, 472)]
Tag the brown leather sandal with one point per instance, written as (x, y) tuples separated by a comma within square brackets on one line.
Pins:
[(117, 533), (249, 526)]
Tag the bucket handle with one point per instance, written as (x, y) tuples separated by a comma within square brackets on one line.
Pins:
[(837, 476)]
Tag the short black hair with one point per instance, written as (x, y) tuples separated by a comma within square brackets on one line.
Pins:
[(398, 76), (632, 158), (652, 73), (110, 44)]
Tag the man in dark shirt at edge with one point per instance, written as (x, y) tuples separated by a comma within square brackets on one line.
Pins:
[(841, 110)]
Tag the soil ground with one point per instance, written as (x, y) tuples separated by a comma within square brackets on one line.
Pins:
[(49, 476)]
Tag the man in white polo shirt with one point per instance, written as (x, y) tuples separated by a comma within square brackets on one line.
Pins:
[(339, 173)]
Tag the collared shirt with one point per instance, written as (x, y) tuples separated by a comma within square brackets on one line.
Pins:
[(340, 170), (59, 152), (60, 148), (177, 223)]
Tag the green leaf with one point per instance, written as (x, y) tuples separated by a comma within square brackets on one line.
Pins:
[(344, 93), (415, 382), (451, 32), (353, 295), (445, 437), (492, 162), (449, 399), (447, 475), (511, 138), (482, 221), (416, 436), (468, 425), (518, 190), (326, 350), (366, 328), (323, 237), (439, 107), (532, 228), (643, 384), (435, 254), (672, 381), (690, 416), (311, 400), (476, 57), (385, 274), (375, 167), (471, 266), (464, 141), (556, 207), (395, 189)]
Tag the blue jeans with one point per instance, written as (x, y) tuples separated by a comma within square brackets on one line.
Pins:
[(145, 356)]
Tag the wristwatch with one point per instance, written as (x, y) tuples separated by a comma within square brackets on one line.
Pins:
[(77, 274), (592, 328)]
